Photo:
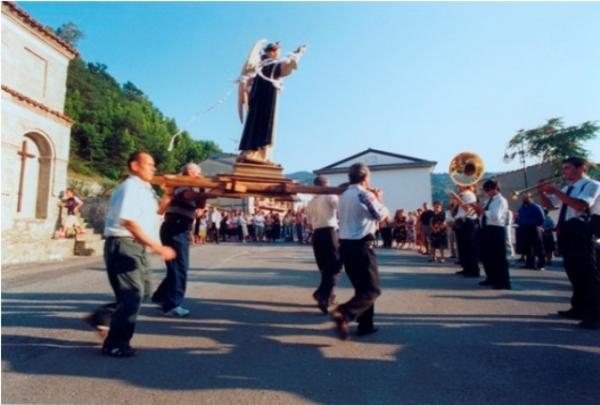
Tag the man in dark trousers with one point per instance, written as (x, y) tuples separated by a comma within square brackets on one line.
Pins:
[(131, 227), (578, 235), (425, 220), (494, 216), (465, 227), (321, 213), (530, 220), (360, 208), (180, 210)]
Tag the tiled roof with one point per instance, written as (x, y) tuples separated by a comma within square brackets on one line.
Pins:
[(28, 20), (23, 98)]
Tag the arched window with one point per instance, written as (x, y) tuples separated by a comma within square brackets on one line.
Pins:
[(35, 174)]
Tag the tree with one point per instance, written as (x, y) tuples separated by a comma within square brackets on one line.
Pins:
[(553, 142), (69, 33), (112, 120)]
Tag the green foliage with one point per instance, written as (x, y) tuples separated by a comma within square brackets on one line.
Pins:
[(69, 33), (111, 121), (553, 142)]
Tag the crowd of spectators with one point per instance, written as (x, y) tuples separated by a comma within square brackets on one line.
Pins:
[(427, 230), (215, 225)]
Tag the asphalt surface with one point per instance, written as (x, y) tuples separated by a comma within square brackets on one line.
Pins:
[(255, 336)]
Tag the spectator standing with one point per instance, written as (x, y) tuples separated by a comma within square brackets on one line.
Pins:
[(530, 220)]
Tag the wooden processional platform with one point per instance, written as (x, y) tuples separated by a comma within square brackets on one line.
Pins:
[(247, 179)]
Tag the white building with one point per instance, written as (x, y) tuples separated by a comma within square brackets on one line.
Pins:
[(404, 180), (35, 132)]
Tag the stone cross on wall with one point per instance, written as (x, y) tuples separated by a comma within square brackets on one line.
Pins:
[(24, 155)]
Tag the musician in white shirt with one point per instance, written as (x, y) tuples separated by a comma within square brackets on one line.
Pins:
[(492, 237), (577, 231), (465, 226)]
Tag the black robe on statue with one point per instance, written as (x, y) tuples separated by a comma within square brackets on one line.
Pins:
[(259, 128)]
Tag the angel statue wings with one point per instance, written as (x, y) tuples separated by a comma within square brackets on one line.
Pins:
[(259, 88)]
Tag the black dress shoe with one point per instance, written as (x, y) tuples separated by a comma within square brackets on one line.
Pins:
[(486, 282), (366, 331), (323, 305), (341, 325), (592, 325), (118, 351), (570, 314), (469, 275)]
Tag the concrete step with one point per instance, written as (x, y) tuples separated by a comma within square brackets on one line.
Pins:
[(36, 250)]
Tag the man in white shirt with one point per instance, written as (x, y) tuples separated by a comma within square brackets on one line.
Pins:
[(465, 226), (322, 218), (577, 238), (492, 237), (214, 221), (360, 209), (259, 226), (131, 226)]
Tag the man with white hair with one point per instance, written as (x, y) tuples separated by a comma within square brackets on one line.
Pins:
[(181, 204)]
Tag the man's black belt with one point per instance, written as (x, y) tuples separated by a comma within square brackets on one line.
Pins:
[(464, 220), (178, 219)]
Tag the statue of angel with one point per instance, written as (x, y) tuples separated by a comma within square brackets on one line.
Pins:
[(258, 92)]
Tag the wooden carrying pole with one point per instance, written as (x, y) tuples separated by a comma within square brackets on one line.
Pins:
[(242, 186)]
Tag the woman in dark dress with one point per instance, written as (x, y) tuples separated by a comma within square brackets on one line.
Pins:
[(439, 236), (400, 229)]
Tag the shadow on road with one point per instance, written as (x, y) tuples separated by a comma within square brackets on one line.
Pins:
[(286, 346)]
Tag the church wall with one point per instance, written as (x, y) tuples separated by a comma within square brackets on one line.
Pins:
[(34, 71), (32, 66), (402, 188), (17, 121)]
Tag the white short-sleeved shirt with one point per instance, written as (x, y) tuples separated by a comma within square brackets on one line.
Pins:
[(322, 211), (468, 197), (497, 211), (359, 212), (583, 189), (134, 200)]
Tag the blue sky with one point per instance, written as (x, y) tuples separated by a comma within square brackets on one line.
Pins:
[(421, 79)]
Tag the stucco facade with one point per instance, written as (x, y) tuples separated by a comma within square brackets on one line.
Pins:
[(404, 180), (35, 131)]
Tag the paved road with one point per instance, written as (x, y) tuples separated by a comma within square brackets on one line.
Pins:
[(255, 336)]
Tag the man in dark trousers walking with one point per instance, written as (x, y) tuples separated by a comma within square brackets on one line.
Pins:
[(360, 208), (321, 213)]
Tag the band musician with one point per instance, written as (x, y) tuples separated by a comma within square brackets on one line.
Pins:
[(465, 228), (492, 237), (578, 231)]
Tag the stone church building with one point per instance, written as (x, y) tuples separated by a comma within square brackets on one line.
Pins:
[(35, 135)]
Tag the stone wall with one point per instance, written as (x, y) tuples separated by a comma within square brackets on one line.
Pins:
[(93, 211)]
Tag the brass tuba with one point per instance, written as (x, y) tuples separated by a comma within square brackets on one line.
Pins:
[(466, 169)]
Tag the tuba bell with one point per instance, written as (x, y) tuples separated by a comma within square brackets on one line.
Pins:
[(466, 169)]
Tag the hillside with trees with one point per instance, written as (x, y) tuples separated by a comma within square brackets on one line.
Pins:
[(111, 121)]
